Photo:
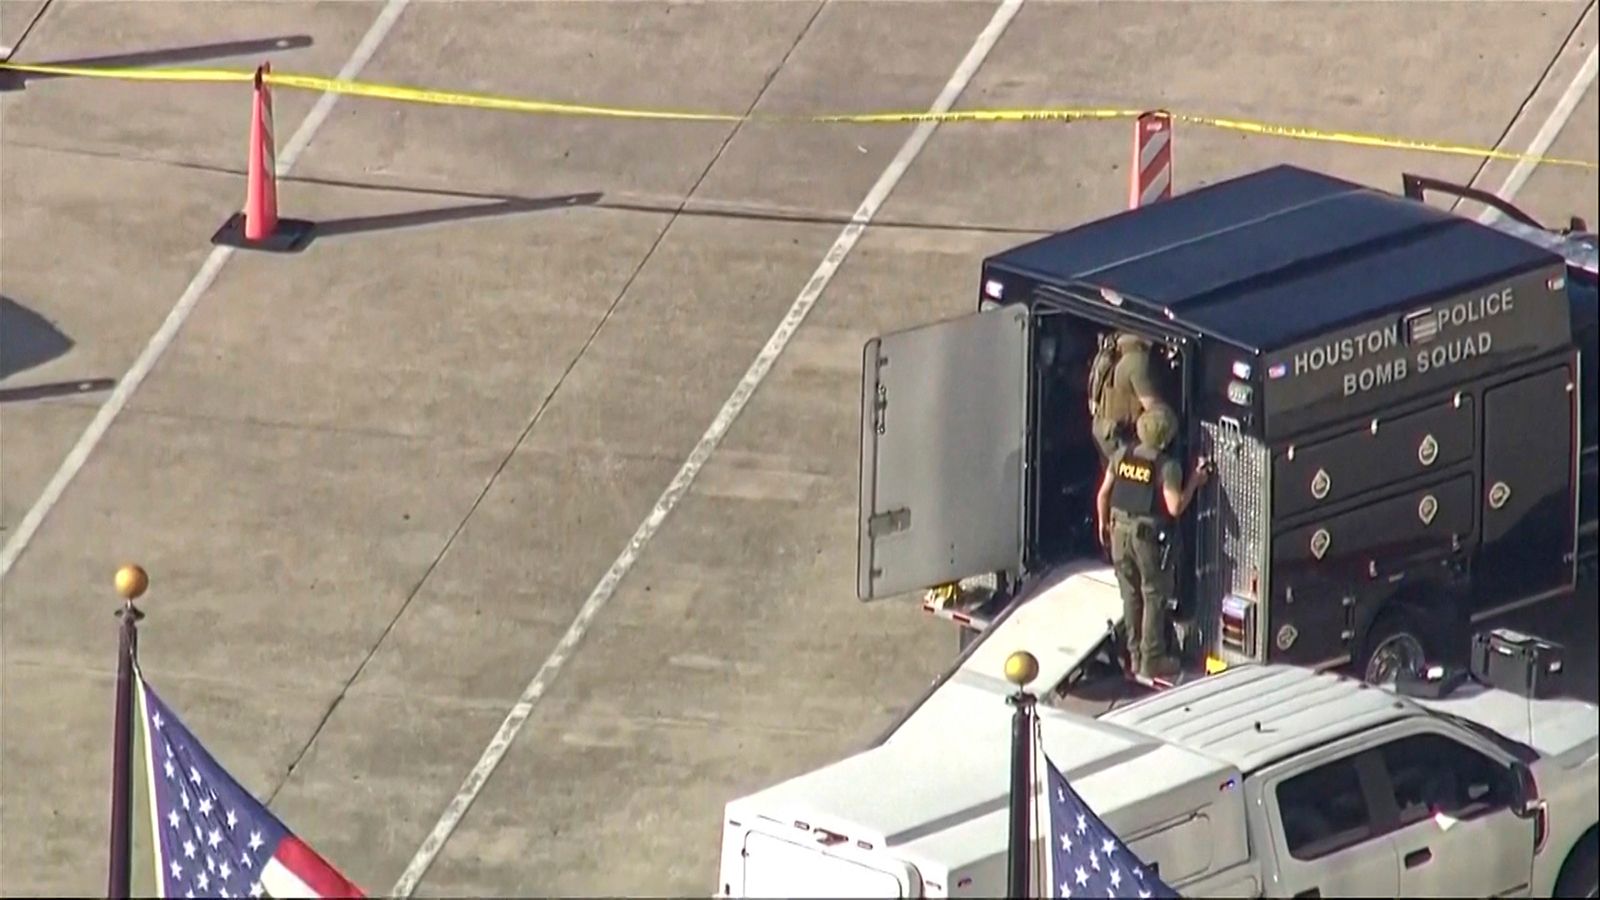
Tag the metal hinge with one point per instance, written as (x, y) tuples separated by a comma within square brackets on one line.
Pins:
[(891, 522)]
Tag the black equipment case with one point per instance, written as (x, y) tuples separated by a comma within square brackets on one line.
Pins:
[(1520, 663)]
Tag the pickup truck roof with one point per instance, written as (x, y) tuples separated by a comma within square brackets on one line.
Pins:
[(1275, 257), (1252, 716)]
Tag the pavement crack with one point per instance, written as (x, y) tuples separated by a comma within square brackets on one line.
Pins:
[(650, 204), (23, 37), (544, 403), (301, 427)]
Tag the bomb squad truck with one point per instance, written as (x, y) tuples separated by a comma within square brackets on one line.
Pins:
[(1400, 407), (1399, 404)]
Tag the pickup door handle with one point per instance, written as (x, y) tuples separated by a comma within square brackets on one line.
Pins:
[(1418, 857)]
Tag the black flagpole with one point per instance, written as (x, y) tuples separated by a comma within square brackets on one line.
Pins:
[(131, 584), (1021, 668)]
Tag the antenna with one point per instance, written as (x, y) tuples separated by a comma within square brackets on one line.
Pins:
[(1527, 708)]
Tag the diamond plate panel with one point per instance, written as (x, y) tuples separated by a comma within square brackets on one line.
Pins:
[(1234, 533)]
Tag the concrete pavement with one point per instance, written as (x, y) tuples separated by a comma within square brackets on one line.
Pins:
[(374, 482)]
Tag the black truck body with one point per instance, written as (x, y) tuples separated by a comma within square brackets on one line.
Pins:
[(1400, 403)]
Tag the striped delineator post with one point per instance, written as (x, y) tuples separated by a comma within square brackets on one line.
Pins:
[(1150, 178)]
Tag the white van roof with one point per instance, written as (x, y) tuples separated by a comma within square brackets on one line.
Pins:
[(941, 802)]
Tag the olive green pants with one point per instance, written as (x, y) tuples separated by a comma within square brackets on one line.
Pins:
[(1146, 587)]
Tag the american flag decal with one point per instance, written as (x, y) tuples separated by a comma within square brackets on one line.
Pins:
[(1421, 327)]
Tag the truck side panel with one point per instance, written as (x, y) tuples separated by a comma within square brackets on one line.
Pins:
[(1365, 369), (1326, 473), (1528, 507), (1332, 574)]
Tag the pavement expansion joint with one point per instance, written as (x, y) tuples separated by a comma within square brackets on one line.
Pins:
[(454, 441)]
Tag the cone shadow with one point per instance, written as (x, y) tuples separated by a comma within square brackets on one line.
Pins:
[(56, 389), (509, 206), (164, 57)]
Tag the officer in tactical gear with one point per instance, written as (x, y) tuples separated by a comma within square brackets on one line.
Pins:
[(1122, 384), (1141, 498)]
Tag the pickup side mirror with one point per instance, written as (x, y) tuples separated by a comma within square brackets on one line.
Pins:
[(1525, 800)]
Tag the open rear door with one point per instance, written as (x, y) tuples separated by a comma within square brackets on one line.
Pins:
[(944, 423)]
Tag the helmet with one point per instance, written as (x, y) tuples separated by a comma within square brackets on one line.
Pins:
[(1156, 426)]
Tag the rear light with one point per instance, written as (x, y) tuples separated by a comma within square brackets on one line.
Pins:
[(1238, 624)]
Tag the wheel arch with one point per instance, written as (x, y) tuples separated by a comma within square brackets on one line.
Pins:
[(1430, 608), (1588, 841)]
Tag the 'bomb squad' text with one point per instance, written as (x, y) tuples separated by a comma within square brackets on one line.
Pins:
[(1441, 337)]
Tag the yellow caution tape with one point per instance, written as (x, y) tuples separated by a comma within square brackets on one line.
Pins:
[(402, 94), (224, 75)]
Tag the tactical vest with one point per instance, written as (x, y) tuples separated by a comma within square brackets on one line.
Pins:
[(1136, 488), (1105, 361)]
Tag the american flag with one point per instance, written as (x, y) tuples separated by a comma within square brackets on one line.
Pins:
[(1087, 859), (202, 834)]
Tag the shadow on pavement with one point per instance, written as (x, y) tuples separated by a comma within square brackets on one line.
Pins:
[(729, 211), (506, 206), (169, 56), (29, 340)]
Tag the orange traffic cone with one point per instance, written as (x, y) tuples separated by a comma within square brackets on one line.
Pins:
[(258, 226)]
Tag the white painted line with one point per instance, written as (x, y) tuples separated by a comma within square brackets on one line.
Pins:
[(1547, 133), (602, 593), (164, 336)]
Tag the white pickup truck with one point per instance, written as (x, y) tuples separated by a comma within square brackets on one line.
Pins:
[(1260, 780)]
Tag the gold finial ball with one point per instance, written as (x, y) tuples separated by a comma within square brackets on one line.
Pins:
[(132, 582), (1021, 668)]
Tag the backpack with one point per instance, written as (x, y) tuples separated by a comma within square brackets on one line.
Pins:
[(1100, 369)]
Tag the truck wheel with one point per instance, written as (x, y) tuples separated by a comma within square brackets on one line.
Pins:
[(1580, 877), (1394, 644)]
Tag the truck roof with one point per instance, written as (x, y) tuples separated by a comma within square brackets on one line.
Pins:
[(1277, 256), (1253, 715)]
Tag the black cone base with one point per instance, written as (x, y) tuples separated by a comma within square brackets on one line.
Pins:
[(291, 236)]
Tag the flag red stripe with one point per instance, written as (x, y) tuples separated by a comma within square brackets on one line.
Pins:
[(313, 869)]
